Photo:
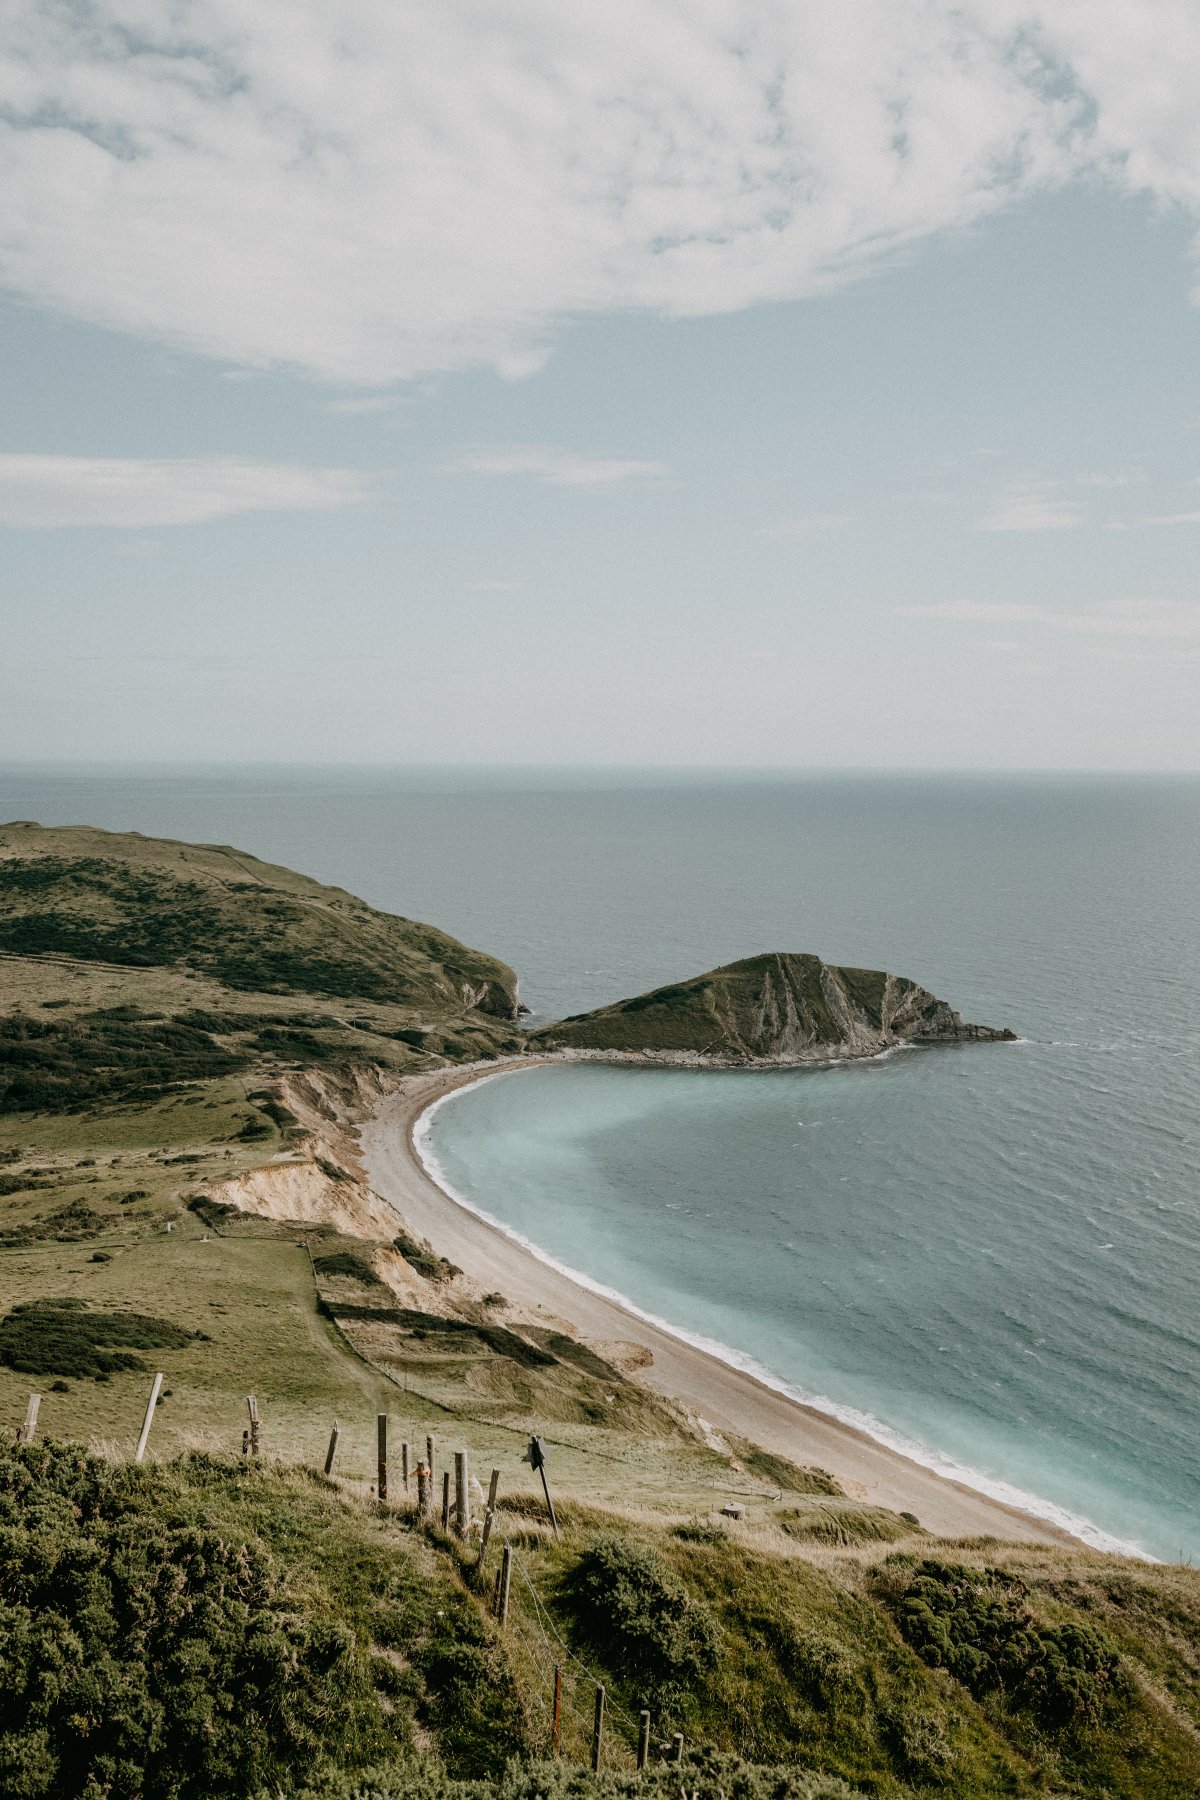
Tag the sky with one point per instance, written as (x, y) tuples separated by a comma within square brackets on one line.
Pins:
[(805, 383)]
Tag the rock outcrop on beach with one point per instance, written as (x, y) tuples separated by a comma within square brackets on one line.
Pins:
[(779, 1008)]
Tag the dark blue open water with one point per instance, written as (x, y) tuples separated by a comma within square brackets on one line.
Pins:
[(992, 1252)]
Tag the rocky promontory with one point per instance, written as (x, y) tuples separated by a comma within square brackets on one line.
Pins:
[(774, 1009)]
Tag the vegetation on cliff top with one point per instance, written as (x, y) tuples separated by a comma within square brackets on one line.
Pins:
[(215, 1627)]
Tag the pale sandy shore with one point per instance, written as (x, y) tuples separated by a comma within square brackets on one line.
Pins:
[(728, 1398)]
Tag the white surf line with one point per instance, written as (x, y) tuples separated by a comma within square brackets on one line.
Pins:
[(936, 1461)]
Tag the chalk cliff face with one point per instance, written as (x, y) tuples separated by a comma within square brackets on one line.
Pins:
[(779, 1009)]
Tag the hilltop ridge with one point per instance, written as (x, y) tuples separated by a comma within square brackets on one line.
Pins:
[(779, 1008)]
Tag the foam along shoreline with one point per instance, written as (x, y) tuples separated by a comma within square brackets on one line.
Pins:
[(729, 1390)]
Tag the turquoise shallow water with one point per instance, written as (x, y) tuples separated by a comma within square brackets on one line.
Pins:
[(991, 1251)]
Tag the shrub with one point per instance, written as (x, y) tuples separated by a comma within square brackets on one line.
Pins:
[(115, 1053), (59, 1337), (977, 1624), (640, 1618), (421, 1258), (344, 1262), (144, 1658)]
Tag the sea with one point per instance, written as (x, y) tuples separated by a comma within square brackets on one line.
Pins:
[(987, 1255)]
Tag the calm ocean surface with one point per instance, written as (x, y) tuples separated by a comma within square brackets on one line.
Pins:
[(989, 1252)]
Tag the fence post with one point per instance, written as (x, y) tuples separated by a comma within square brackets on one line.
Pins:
[(489, 1516), (29, 1429), (381, 1420), (598, 1728), (422, 1489), (252, 1407), (677, 1747), (404, 1465), (429, 1460), (462, 1495), (505, 1579), (149, 1418), (643, 1738), (445, 1499), (554, 1729), (332, 1450)]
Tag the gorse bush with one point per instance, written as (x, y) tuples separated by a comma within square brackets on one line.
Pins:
[(639, 1617), (62, 1337), (52, 1065), (977, 1624), (144, 1657)]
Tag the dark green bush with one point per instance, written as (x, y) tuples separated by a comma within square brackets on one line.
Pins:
[(55, 1337), (52, 1065), (143, 1657), (424, 1261), (977, 1624), (628, 1606), (344, 1262)]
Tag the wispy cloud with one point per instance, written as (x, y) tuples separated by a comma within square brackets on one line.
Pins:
[(1031, 512), (48, 492), (559, 468), (496, 587), (1115, 618), (373, 192), (362, 405), (1180, 518), (807, 526)]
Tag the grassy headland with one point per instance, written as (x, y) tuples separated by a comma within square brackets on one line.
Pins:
[(774, 1008), (186, 1038)]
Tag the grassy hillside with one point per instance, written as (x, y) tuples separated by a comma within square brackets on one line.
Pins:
[(766, 1008), (133, 966)]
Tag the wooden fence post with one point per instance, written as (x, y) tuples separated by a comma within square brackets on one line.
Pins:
[(445, 1499), (505, 1579), (677, 1747), (149, 1419), (252, 1407), (462, 1495), (643, 1738), (429, 1460), (598, 1728), (28, 1430), (422, 1489), (557, 1720), (381, 1420), (404, 1465), (332, 1450), (489, 1516)]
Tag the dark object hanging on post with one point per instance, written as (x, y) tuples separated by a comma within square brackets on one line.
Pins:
[(535, 1456)]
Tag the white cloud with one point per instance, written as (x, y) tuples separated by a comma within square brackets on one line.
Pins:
[(40, 492), (558, 468), (1031, 512), (1183, 518), (496, 587), (1114, 618), (371, 191), (807, 527)]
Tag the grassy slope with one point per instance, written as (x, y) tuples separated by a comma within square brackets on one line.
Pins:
[(811, 1665)]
